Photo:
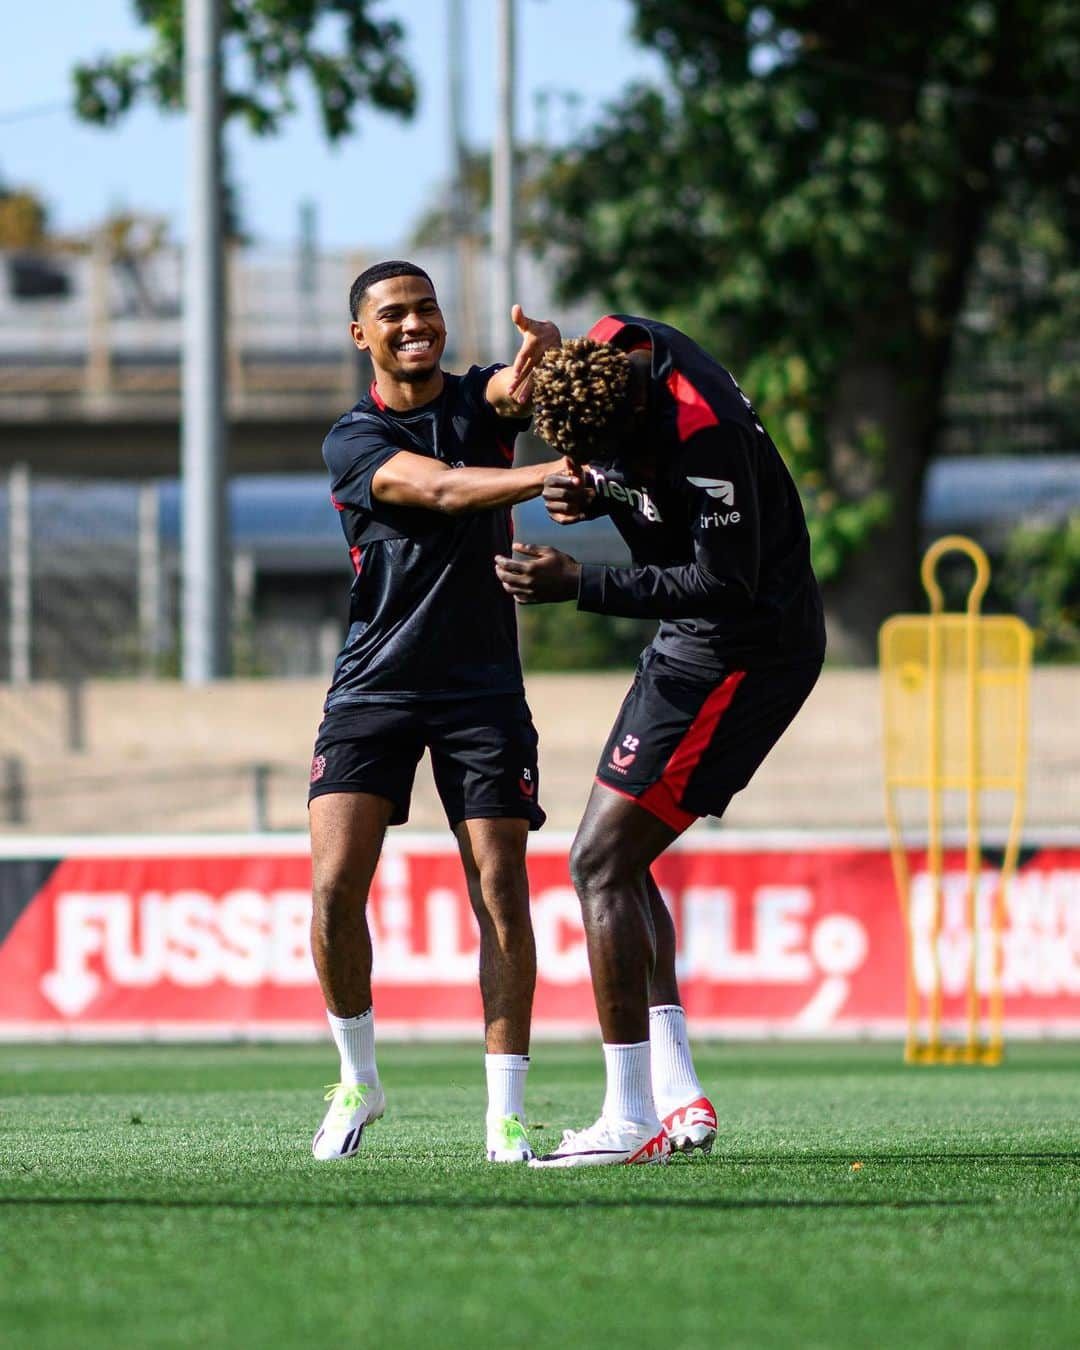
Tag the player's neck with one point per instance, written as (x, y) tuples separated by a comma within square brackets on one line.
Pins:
[(640, 379), (404, 395)]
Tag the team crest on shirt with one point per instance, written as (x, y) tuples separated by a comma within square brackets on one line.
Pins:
[(318, 767)]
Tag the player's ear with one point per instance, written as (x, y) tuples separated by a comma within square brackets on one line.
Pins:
[(356, 331)]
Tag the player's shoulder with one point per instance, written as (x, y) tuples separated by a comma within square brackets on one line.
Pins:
[(472, 385), (363, 424), (367, 409)]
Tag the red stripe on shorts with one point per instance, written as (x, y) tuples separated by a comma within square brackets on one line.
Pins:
[(662, 798)]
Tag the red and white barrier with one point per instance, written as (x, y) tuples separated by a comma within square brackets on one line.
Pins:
[(778, 935)]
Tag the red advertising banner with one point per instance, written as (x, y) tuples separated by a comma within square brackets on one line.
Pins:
[(777, 936)]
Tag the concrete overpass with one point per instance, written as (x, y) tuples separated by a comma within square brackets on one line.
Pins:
[(90, 362)]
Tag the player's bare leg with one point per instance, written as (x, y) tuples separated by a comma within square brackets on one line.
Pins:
[(609, 863), (664, 988), (493, 856), (347, 830), (631, 943), (616, 843), (687, 1114)]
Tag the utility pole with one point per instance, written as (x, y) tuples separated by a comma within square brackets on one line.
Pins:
[(204, 525), (20, 591), (503, 187), (461, 280)]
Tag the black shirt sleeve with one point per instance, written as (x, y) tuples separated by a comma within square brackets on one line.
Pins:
[(354, 452), (491, 439), (715, 485)]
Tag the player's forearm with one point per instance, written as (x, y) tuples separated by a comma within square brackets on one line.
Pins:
[(688, 592), (462, 490)]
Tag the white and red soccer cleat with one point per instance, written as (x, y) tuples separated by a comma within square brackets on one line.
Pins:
[(691, 1126), (607, 1142)]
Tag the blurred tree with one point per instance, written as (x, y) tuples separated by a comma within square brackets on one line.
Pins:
[(23, 219), (1040, 578), (558, 637), (1014, 383), (349, 57), (438, 225), (806, 197)]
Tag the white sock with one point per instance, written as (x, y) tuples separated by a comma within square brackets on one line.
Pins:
[(506, 1085), (675, 1083), (629, 1084), (355, 1040)]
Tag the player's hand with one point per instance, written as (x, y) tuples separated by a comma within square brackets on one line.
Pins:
[(542, 575), (537, 336), (567, 495)]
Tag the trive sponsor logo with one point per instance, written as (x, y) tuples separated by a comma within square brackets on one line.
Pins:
[(720, 488), (637, 498), (711, 518)]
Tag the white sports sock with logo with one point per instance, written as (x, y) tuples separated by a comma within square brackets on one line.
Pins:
[(506, 1085), (355, 1040), (629, 1084), (674, 1080)]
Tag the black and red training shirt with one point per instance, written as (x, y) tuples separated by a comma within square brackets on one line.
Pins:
[(428, 618), (716, 530)]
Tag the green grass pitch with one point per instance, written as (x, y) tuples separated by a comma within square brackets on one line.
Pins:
[(165, 1196)]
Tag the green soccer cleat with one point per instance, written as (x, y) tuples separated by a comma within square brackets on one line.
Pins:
[(507, 1141), (352, 1107)]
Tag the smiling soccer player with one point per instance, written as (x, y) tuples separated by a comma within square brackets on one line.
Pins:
[(420, 471)]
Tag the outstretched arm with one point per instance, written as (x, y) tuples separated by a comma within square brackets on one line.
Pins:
[(509, 391), (415, 480)]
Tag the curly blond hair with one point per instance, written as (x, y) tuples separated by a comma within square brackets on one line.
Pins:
[(578, 390)]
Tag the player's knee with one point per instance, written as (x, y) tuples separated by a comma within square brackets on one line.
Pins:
[(334, 896), (595, 866)]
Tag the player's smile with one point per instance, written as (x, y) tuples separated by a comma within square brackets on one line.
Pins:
[(403, 329)]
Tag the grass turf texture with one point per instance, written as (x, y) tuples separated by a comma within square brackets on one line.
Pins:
[(166, 1196)]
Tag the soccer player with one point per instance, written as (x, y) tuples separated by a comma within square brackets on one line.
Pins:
[(679, 460), (420, 471)]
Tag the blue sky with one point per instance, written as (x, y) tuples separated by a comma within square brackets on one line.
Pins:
[(367, 192)]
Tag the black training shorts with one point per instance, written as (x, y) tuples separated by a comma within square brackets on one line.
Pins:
[(483, 752), (686, 740)]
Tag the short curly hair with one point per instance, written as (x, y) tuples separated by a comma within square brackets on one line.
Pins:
[(579, 390)]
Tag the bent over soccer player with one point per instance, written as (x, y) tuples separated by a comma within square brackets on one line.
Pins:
[(721, 556), (420, 472)]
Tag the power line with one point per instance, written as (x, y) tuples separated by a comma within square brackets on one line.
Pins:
[(33, 110)]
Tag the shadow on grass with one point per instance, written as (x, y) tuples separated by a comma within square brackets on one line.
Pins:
[(467, 1203)]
